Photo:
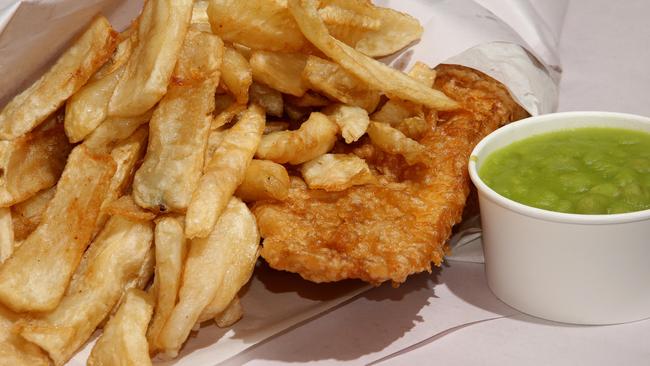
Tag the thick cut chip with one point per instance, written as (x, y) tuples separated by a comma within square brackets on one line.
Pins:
[(88, 107), (336, 172), (333, 81), (264, 180), (231, 315), (179, 128), (372, 30), (308, 100), (160, 34), (126, 207), (123, 341), (214, 140), (35, 277), (200, 19), (14, 350), (26, 215), (258, 24), (237, 74), (112, 130), (31, 163), (113, 258), (279, 70), (72, 70), (6, 234), (171, 249), (393, 141), (414, 127), (227, 115), (377, 75), (141, 280), (314, 138), (267, 98), (353, 121), (216, 266), (224, 173)]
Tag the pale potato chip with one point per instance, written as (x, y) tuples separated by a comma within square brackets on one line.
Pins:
[(200, 19), (214, 140), (88, 107), (171, 249), (71, 71), (332, 80), (315, 137), (414, 127), (309, 99), (31, 163), (141, 280), (258, 24), (280, 71), (227, 115), (264, 180), (216, 267), (347, 25), (179, 128), (353, 121), (237, 74), (393, 141), (267, 98), (231, 315), (336, 172), (224, 173), (126, 207), (47, 258), (275, 126), (377, 75), (26, 215), (14, 350), (113, 258), (423, 73), (6, 234), (112, 130), (161, 30), (123, 341)]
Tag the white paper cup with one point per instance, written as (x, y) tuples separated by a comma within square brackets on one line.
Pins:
[(582, 269)]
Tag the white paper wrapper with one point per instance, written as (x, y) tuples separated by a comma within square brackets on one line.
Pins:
[(33, 33)]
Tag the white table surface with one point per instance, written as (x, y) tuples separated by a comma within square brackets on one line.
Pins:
[(605, 52)]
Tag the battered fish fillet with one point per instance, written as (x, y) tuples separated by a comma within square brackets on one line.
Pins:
[(398, 227)]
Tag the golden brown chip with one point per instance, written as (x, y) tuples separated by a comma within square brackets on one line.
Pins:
[(72, 70), (47, 258), (231, 315), (264, 180), (236, 73), (393, 141), (414, 127), (200, 19), (26, 215), (224, 173), (267, 98), (161, 30), (336, 172), (126, 207), (308, 100), (14, 350), (113, 259), (279, 70), (315, 137), (113, 130), (353, 121)]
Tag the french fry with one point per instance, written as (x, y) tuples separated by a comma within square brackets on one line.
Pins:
[(264, 180), (140, 281), (14, 350), (336, 172), (171, 250), (126, 207), (332, 80), (414, 127), (104, 138), (35, 277), (393, 141), (6, 234), (227, 115), (315, 137), (88, 107), (258, 24), (123, 341), (309, 99), (377, 75), (279, 70), (179, 128), (231, 315), (31, 163), (71, 71), (26, 215), (224, 173), (237, 74), (275, 126), (113, 258), (269, 99), (200, 19), (214, 140), (216, 266), (160, 33), (353, 121)]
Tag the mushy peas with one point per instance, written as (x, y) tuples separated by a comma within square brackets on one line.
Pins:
[(584, 170)]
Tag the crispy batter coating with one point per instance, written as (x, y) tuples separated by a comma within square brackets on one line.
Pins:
[(390, 230)]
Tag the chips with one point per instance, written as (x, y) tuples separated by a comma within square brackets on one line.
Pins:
[(123, 341), (14, 350), (160, 33), (27, 215), (315, 137), (112, 130), (281, 71), (6, 234), (48, 257), (353, 121), (224, 173), (264, 180), (236, 73), (393, 141), (336, 172), (126, 207), (71, 71), (231, 315), (113, 258), (267, 98), (216, 267)]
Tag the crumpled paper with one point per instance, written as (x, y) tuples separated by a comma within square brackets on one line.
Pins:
[(517, 47)]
